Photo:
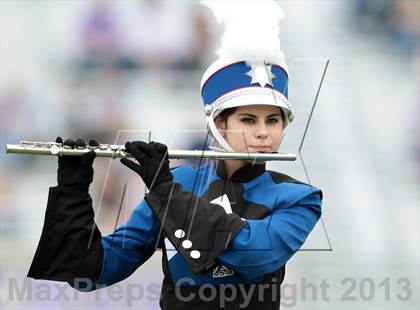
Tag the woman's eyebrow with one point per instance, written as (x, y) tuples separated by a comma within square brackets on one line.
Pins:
[(252, 115), (247, 114)]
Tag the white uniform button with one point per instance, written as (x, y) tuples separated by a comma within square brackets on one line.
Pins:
[(195, 254), (186, 244), (179, 233)]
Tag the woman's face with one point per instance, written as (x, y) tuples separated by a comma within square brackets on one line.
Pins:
[(253, 128)]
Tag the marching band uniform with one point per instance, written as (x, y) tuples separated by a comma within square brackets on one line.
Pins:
[(242, 231), (213, 230)]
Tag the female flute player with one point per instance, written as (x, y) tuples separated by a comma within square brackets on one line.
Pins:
[(230, 226)]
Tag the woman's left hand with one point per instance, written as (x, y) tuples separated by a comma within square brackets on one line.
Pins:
[(153, 159)]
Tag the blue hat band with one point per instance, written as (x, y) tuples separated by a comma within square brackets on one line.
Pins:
[(234, 77)]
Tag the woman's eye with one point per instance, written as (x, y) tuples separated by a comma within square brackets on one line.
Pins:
[(272, 120), (248, 120)]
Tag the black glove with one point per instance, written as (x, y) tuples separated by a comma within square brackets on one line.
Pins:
[(153, 159), (76, 170)]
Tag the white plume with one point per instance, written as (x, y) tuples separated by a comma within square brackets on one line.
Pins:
[(252, 30)]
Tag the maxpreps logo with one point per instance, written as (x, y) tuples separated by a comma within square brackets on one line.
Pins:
[(222, 271)]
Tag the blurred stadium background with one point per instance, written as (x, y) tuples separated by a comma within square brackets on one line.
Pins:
[(116, 69)]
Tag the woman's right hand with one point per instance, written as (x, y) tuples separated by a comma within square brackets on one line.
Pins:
[(76, 170)]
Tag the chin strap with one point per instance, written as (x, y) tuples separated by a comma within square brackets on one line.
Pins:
[(216, 148), (216, 134)]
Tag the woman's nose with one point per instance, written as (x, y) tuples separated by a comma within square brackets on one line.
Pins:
[(261, 131)]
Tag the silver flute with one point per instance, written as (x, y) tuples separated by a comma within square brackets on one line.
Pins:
[(118, 151)]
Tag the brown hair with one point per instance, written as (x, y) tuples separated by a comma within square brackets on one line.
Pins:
[(226, 113)]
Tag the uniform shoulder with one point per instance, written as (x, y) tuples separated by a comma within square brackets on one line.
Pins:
[(182, 170), (279, 178), (282, 178), (185, 175)]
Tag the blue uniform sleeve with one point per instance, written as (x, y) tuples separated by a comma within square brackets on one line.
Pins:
[(263, 246), (129, 246)]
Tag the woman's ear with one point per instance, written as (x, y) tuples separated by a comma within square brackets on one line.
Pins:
[(221, 125)]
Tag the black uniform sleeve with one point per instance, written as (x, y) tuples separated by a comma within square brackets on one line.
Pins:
[(70, 245), (198, 229)]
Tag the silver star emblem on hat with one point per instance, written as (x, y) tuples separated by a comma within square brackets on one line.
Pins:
[(261, 73)]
